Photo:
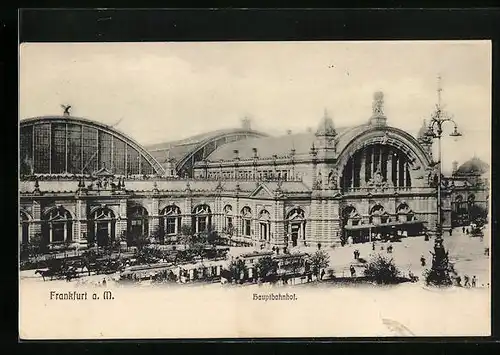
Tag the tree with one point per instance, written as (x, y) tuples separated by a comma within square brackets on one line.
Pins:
[(320, 260), (382, 269), (36, 246), (478, 214), (212, 237), (439, 273), (186, 230), (141, 240), (186, 233), (267, 268)]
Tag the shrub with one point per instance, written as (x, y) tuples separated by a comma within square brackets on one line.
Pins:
[(382, 270)]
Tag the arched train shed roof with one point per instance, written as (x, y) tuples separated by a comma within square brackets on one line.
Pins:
[(186, 151), (100, 127)]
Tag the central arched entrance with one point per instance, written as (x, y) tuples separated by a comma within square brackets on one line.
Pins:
[(102, 226), (377, 165), (296, 225)]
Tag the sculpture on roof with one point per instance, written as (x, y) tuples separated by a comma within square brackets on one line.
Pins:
[(378, 104), (66, 109), (319, 181), (332, 179)]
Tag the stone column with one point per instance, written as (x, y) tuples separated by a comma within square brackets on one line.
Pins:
[(372, 162), (353, 170), (389, 166), (187, 213), (362, 171), (279, 228), (121, 224), (36, 225), (396, 162), (154, 220)]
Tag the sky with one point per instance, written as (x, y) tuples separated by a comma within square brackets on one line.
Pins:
[(160, 92)]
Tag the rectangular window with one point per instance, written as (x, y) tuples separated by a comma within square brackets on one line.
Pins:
[(132, 161), (202, 225), (74, 149), (246, 227), (58, 159), (119, 147), (26, 150), (146, 168), (90, 159), (42, 148), (105, 150), (170, 226)]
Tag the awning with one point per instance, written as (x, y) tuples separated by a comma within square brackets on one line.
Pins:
[(390, 224)]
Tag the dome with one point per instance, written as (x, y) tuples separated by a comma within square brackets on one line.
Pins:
[(326, 127), (473, 166)]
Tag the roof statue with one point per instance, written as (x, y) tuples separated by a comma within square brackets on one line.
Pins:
[(66, 109), (326, 127), (246, 123), (378, 115), (378, 104), (423, 133)]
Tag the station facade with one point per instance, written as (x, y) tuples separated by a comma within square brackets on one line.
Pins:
[(85, 182)]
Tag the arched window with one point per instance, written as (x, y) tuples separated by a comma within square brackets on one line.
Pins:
[(228, 217), (24, 227), (58, 225), (404, 213), (138, 221), (471, 198), (460, 206), (350, 216), (246, 219), (378, 214), (102, 226), (265, 225), (296, 225), (201, 218), (171, 220), (376, 166)]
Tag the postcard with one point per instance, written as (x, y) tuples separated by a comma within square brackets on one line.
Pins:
[(254, 189)]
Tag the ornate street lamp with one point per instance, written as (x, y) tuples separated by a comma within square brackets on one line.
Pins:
[(435, 131)]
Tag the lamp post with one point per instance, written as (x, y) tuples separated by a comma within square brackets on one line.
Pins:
[(435, 131)]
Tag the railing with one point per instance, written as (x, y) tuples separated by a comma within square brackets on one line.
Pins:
[(359, 191)]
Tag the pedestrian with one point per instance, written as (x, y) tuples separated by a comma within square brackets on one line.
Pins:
[(422, 260), (466, 281), (463, 230), (373, 246), (466, 230), (104, 282), (322, 274), (474, 281), (451, 231), (353, 271)]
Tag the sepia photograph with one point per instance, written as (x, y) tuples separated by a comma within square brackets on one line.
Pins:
[(254, 189)]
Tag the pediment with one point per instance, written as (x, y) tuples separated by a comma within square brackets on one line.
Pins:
[(103, 172), (262, 191)]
